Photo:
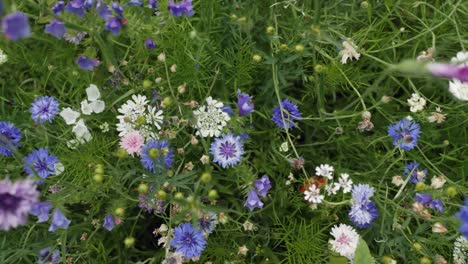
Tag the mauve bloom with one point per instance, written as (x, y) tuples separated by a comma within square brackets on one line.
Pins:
[(149, 44), (188, 241), (103, 10), (56, 28), (113, 25), (58, 221), (182, 7), (86, 63), (253, 201), (244, 102), (153, 4), (16, 198), (41, 210), (463, 216), (109, 222), (16, 26), (290, 114), (76, 7), (58, 7), (44, 108), (46, 256), (41, 162), (459, 72), (9, 138), (405, 134), (262, 185)]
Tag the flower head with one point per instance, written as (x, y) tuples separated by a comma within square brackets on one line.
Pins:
[(346, 240), (86, 63), (227, 150), (285, 114), (416, 103), (103, 10), (363, 211), (58, 7), (460, 250), (40, 162), (262, 185), (117, 9), (459, 89), (437, 205), (47, 256), (188, 241), (17, 200), (208, 222), (132, 142), (345, 182), (56, 28), (405, 134), (423, 198), (15, 26), (58, 221), (113, 25), (76, 7), (325, 170), (156, 153), (458, 72), (412, 171), (153, 4), (182, 7), (463, 216), (244, 102), (41, 210), (9, 138), (149, 43), (44, 109), (253, 201), (210, 118), (135, 3), (349, 51), (109, 222), (312, 195)]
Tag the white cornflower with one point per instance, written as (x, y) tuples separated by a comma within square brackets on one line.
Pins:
[(332, 189), (349, 51), (210, 118), (312, 195), (459, 89), (346, 240), (324, 170), (69, 115), (284, 147), (416, 103), (3, 57), (460, 251), (345, 183), (437, 182)]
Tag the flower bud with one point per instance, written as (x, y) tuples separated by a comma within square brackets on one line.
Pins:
[(417, 247), (121, 153), (119, 211), (147, 84), (162, 57), (319, 68), (154, 153), (179, 196), (270, 30), (167, 101), (284, 47), (386, 99), (364, 4), (206, 177), (213, 195), (143, 188), (425, 260), (420, 186), (257, 58), (299, 48), (99, 169), (129, 242), (439, 228), (98, 178), (141, 120), (451, 192), (161, 194)]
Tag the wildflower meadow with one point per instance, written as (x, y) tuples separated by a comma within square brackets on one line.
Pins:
[(233, 131)]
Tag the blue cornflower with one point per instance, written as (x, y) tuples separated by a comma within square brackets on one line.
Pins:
[(135, 3), (208, 222), (253, 201), (363, 211), (463, 215), (76, 7), (405, 134), (153, 4), (118, 9), (227, 150), (47, 256), (262, 185), (58, 221), (56, 28), (157, 152), (41, 210), (149, 44), (190, 242), (437, 205), (58, 7), (182, 7), (44, 109), (41, 162), (412, 171), (113, 25), (9, 138), (423, 198), (15, 26), (109, 222), (244, 102), (86, 63), (290, 114), (362, 193), (103, 10)]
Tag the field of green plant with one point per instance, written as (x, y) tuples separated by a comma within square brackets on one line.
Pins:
[(233, 131)]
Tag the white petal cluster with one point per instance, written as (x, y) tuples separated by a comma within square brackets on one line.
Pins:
[(460, 251), (416, 103), (349, 51), (312, 195), (93, 104), (346, 240), (210, 118), (3, 57), (458, 88), (137, 115), (324, 170)]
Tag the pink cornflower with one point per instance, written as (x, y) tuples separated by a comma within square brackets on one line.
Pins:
[(132, 142)]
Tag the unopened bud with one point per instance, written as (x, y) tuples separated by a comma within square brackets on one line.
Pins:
[(206, 177)]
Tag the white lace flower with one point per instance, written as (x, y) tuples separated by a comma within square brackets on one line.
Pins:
[(93, 93), (345, 182), (312, 195), (346, 240), (460, 251), (3, 57), (86, 108), (332, 189), (416, 103), (349, 51), (210, 118), (325, 170), (69, 115)]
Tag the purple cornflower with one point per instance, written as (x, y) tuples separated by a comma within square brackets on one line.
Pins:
[(103, 10), (463, 216), (423, 198), (58, 221), (182, 7), (208, 222), (290, 114), (262, 185), (149, 44), (227, 150), (58, 7), (41, 162), (16, 198), (190, 242), (153, 4), (113, 25), (44, 109), (46, 256), (86, 63), (253, 201), (412, 171), (244, 102), (459, 72), (156, 153), (437, 205), (228, 110), (405, 134), (56, 28), (109, 222), (15, 26), (9, 138), (41, 210), (76, 7), (363, 211), (135, 3), (117, 9)]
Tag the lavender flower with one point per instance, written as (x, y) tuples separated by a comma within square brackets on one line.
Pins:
[(262, 185), (188, 241), (58, 7), (437, 205), (412, 171), (253, 201), (56, 28), (157, 152), (58, 221), (227, 150), (16, 26), (113, 25), (117, 9), (405, 134), (290, 113), (149, 44), (86, 63), (244, 102), (9, 138), (182, 7), (208, 222), (363, 211), (41, 162), (76, 7), (46, 256), (109, 222), (423, 198), (41, 210), (463, 216), (459, 72), (228, 110), (17, 199), (103, 10), (153, 4), (44, 109)]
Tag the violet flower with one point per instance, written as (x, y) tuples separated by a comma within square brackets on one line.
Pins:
[(16, 26), (449, 71), (86, 63)]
